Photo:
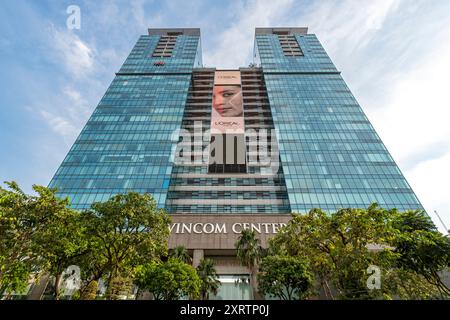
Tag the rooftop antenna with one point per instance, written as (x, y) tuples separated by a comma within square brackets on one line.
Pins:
[(443, 224)]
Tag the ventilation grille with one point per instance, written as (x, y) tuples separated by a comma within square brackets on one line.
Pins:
[(290, 46)]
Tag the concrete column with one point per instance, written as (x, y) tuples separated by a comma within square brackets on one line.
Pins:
[(198, 255)]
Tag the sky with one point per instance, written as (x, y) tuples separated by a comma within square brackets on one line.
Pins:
[(393, 54)]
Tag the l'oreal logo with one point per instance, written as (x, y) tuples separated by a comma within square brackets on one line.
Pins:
[(226, 123)]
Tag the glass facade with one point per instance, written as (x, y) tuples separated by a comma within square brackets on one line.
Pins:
[(331, 155), (233, 287), (126, 144)]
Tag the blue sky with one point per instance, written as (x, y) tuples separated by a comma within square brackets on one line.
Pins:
[(394, 55)]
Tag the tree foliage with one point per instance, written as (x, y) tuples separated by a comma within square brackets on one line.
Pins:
[(119, 288), (39, 234), (285, 277), (168, 280), (125, 231), (421, 248), (208, 275), (248, 248), (249, 252), (89, 292), (339, 250), (17, 226), (181, 253), (62, 240)]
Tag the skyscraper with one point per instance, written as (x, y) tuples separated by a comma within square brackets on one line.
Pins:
[(125, 144), (226, 150)]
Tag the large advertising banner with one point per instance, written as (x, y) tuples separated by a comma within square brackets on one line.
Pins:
[(227, 115), (227, 149)]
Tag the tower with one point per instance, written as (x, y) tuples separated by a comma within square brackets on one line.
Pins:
[(227, 150)]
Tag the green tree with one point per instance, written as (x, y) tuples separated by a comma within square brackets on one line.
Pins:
[(40, 234), (422, 248), (168, 280), (338, 249), (93, 266), (89, 292), (119, 288), (352, 231), (285, 277), (408, 285), (249, 253), (17, 226), (208, 275), (305, 236), (181, 253), (125, 231), (62, 240)]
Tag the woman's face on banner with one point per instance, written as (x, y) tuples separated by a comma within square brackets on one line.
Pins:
[(227, 100)]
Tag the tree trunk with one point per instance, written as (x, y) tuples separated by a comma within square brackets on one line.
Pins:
[(441, 285), (254, 284), (58, 279), (289, 294), (110, 279), (89, 292), (119, 287), (329, 289)]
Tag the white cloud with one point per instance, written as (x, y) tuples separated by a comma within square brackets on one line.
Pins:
[(64, 113), (414, 127), (234, 46), (77, 106), (66, 109), (75, 54), (417, 115), (137, 8), (377, 12), (430, 180), (346, 27), (59, 124)]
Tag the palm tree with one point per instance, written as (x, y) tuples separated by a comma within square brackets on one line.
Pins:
[(249, 253), (181, 253), (209, 277)]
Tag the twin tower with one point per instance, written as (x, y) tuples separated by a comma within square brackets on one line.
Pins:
[(231, 148)]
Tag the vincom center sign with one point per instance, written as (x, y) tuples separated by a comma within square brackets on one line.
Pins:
[(221, 231), (224, 228)]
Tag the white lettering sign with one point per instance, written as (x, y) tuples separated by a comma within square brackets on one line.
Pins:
[(223, 228)]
